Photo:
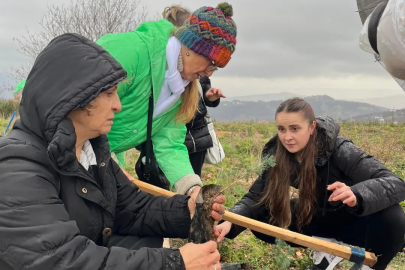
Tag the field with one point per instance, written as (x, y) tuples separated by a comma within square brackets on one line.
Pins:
[(243, 143)]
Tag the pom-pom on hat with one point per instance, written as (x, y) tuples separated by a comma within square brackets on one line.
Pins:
[(210, 32)]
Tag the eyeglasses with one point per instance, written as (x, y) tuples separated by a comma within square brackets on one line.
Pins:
[(212, 67)]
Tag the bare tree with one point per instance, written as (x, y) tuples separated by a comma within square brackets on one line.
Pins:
[(90, 18), (4, 87), (13, 75)]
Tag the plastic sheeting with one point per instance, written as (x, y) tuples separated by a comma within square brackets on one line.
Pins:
[(390, 36), (365, 7)]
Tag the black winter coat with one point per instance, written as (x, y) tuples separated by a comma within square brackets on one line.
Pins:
[(198, 137), (53, 213), (375, 186)]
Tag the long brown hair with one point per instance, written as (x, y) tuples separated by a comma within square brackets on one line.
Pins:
[(277, 194)]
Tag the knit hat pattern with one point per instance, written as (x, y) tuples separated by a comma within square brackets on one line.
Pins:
[(210, 32)]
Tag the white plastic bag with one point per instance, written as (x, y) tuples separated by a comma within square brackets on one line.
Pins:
[(216, 153)]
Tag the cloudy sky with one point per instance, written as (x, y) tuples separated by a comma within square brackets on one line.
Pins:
[(306, 47)]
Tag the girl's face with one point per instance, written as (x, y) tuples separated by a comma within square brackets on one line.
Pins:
[(294, 131)]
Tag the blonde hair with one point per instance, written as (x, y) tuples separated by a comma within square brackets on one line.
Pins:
[(190, 97), (176, 15), (189, 103)]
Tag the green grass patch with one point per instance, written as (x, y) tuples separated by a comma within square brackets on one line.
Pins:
[(243, 144)]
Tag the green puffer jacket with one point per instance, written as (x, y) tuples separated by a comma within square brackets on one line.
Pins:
[(142, 53)]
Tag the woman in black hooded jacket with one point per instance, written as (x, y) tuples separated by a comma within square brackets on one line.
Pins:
[(64, 203), (344, 193)]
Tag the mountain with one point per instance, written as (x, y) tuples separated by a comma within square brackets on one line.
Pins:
[(391, 102), (265, 110), (388, 116), (264, 97)]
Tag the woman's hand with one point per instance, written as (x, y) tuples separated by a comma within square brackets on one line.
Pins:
[(218, 207), (201, 256), (220, 231), (343, 193), (214, 94)]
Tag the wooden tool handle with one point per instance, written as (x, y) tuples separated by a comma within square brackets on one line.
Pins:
[(286, 235), (297, 238), (151, 189)]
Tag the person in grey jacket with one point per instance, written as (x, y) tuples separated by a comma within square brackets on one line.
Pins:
[(64, 203), (344, 193)]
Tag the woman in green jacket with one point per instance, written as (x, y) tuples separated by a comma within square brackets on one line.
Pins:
[(170, 61)]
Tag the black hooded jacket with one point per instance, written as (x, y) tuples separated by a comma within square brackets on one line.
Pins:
[(53, 213), (198, 137), (338, 159)]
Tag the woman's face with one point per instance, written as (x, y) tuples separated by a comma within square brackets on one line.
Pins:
[(99, 119), (195, 65), (294, 131)]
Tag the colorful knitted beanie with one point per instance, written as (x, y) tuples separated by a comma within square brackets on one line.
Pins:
[(210, 32)]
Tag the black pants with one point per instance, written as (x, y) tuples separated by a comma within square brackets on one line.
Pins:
[(197, 161), (381, 233), (134, 242)]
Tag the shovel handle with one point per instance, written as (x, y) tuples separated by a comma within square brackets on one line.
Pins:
[(297, 238)]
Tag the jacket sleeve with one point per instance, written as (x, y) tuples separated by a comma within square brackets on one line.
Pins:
[(142, 214), (36, 231), (375, 187), (172, 156), (206, 85), (247, 206)]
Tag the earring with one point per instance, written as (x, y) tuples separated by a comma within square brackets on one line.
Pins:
[(187, 53)]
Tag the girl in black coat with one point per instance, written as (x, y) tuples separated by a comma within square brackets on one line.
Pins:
[(344, 193), (198, 138)]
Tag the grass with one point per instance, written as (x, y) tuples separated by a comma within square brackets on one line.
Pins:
[(243, 143), (7, 107)]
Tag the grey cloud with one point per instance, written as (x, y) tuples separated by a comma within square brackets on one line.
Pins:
[(290, 38), (275, 38), (16, 16)]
